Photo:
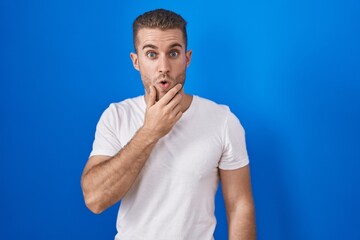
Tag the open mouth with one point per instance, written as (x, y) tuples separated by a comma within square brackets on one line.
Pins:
[(164, 84)]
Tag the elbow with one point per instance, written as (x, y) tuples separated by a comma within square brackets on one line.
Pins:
[(96, 202), (245, 208), (93, 204), (96, 198), (92, 199)]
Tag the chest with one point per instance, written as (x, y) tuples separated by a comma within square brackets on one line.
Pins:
[(190, 152)]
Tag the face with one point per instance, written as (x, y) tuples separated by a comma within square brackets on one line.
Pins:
[(161, 59)]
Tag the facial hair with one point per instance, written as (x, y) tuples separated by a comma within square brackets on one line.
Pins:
[(147, 82)]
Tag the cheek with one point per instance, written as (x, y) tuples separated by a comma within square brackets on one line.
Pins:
[(146, 69), (147, 78), (181, 69), (181, 77)]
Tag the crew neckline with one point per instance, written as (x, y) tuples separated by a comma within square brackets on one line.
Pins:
[(186, 114)]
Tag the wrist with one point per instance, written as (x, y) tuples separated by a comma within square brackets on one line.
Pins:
[(147, 136)]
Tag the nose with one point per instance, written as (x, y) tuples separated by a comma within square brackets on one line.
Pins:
[(164, 65)]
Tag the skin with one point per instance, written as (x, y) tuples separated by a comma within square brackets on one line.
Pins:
[(162, 59), (240, 211), (161, 56)]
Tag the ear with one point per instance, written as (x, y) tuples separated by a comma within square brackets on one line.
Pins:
[(135, 60), (188, 55)]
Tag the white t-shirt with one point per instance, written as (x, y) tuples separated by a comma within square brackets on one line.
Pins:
[(173, 196)]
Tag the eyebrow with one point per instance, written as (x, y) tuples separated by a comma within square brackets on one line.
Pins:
[(176, 45), (155, 47), (149, 46)]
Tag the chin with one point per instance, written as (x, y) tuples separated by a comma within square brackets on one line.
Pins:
[(159, 96)]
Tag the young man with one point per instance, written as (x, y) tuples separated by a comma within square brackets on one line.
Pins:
[(163, 154)]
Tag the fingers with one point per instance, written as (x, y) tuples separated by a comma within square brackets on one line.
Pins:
[(178, 116), (152, 96), (170, 94), (161, 115), (177, 109), (175, 102), (174, 114)]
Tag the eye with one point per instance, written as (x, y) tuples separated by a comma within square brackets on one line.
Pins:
[(174, 54), (151, 55)]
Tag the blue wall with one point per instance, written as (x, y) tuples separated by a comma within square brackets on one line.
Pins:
[(290, 70)]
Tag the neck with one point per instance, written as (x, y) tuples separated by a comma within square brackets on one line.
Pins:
[(185, 102)]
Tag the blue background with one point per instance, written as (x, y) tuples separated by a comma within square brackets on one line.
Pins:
[(290, 70)]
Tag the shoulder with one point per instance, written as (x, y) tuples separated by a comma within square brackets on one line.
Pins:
[(127, 105), (211, 108), (125, 108), (215, 112), (130, 103)]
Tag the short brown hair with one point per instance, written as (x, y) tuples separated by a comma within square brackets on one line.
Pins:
[(159, 18)]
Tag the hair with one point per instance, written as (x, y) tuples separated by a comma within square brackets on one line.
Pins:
[(161, 19)]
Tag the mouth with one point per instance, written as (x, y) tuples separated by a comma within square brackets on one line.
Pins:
[(164, 84)]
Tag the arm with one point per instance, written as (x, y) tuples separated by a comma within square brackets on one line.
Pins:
[(239, 203), (105, 180)]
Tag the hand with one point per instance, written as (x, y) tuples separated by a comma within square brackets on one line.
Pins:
[(161, 116)]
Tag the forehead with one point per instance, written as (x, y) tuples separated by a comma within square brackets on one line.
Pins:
[(159, 38)]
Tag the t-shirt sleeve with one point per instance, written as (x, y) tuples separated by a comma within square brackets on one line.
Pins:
[(234, 154), (106, 141)]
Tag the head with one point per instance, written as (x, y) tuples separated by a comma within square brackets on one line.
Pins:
[(161, 54), (159, 19)]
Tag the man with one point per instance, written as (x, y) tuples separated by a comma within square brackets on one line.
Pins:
[(162, 154)]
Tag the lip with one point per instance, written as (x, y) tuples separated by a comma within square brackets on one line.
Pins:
[(164, 85)]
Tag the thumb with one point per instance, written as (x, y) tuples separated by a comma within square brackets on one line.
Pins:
[(152, 96)]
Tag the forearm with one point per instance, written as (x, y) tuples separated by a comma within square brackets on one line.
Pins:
[(241, 222), (106, 183), (106, 180)]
